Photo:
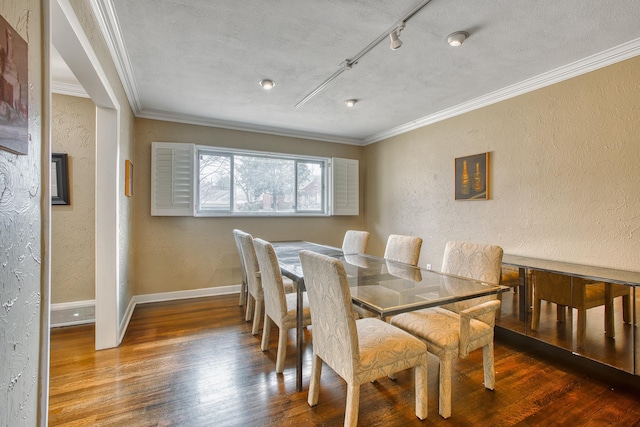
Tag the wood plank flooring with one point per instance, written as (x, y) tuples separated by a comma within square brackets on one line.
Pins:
[(195, 363)]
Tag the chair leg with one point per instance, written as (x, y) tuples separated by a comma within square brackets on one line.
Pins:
[(314, 384), (249, 310), (243, 293), (487, 363), (266, 332), (535, 321), (582, 327), (626, 308), (420, 379), (282, 350), (353, 404), (444, 405), (561, 312), (609, 323), (257, 315)]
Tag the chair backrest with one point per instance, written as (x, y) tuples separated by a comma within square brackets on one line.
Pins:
[(252, 270), (475, 261), (335, 337), (403, 249), (236, 237), (275, 302), (355, 242)]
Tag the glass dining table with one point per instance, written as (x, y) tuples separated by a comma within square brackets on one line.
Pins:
[(383, 287)]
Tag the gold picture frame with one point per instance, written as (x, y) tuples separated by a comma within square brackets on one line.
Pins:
[(128, 178), (472, 177)]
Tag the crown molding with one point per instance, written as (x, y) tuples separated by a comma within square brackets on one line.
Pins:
[(591, 63), (71, 89), (110, 28), (246, 127)]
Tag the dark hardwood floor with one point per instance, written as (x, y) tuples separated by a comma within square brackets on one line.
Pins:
[(195, 363)]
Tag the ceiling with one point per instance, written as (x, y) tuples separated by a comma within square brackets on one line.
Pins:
[(200, 61)]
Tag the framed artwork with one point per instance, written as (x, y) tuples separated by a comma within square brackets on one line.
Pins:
[(128, 178), (14, 91), (59, 179), (472, 177)]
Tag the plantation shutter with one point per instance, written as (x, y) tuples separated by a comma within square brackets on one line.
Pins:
[(345, 194), (172, 179)]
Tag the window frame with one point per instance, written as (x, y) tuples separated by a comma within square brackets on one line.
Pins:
[(326, 179)]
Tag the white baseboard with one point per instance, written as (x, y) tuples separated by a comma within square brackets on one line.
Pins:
[(82, 312), (124, 324), (192, 293), (73, 313)]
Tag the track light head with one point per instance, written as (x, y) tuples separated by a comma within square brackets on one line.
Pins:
[(395, 37), (395, 41)]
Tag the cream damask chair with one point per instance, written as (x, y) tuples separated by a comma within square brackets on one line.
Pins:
[(360, 351), (355, 242), (404, 249), (243, 285), (255, 296), (456, 329), (279, 307)]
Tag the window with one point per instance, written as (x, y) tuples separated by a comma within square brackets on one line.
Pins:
[(259, 184), (206, 181)]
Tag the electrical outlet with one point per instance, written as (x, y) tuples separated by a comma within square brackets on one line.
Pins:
[(428, 266)]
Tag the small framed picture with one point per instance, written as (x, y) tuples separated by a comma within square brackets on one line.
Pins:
[(59, 179), (472, 177), (128, 178)]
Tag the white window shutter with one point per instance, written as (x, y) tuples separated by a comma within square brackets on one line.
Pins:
[(345, 194), (172, 179)]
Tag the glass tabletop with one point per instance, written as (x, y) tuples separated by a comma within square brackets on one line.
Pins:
[(387, 287)]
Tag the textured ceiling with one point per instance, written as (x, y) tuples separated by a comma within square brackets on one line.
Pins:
[(200, 61)]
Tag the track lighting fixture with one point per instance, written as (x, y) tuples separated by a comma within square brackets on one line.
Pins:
[(456, 39), (395, 37), (393, 32), (267, 84)]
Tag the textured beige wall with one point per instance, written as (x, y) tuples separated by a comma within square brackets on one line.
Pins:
[(73, 129), (564, 181), (23, 254), (181, 253)]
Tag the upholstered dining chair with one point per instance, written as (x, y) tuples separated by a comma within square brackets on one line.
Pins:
[(404, 249), (361, 350), (355, 242), (243, 269), (456, 329), (255, 295), (279, 307)]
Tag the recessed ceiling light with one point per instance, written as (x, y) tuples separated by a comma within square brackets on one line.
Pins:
[(456, 39), (350, 102), (267, 84)]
